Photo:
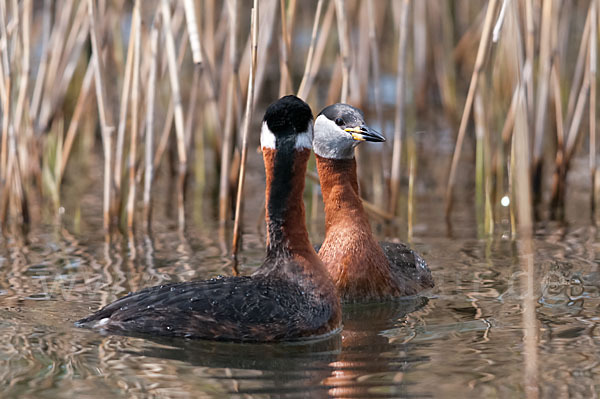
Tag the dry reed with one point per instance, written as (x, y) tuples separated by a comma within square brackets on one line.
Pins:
[(187, 69), (178, 110), (399, 120), (228, 139), (106, 127), (481, 54), (245, 131), (135, 109), (344, 39), (149, 150), (592, 112), (302, 91)]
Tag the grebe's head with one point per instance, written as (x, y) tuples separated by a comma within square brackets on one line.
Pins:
[(288, 122), (338, 129)]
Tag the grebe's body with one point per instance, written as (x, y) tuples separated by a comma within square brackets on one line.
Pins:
[(362, 269), (290, 297)]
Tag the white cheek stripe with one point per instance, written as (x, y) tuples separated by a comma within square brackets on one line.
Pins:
[(303, 140), (267, 138)]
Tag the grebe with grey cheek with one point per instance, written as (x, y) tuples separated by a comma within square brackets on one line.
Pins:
[(362, 269)]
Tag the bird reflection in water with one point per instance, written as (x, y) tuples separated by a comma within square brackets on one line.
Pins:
[(369, 361), (360, 362)]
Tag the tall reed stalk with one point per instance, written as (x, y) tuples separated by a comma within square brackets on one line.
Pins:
[(592, 112), (228, 139), (106, 127), (135, 108), (342, 23), (481, 54), (149, 149), (399, 123), (245, 131), (178, 111)]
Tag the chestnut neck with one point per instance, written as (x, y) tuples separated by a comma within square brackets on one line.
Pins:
[(339, 185), (285, 169), (354, 259)]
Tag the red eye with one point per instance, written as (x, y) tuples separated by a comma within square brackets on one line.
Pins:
[(339, 121)]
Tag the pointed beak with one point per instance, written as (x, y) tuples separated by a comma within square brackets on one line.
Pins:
[(365, 133)]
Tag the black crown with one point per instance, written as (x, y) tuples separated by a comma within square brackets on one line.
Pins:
[(288, 116)]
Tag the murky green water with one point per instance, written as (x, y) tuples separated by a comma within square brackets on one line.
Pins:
[(465, 338)]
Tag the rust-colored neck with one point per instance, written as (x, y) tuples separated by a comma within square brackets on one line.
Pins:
[(285, 214), (354, 259), (339, 185)]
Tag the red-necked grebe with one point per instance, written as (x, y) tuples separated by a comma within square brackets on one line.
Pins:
[(291, 296), (362, 269)]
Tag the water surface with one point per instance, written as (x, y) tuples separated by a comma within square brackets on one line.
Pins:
[(465, 338)]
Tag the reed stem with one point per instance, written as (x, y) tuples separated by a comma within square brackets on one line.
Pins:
[(344, 39), (106, 127), (125, 101), (479, 61), (228, 139), (178, 111), (302, 90), (592, 112), (284, 80), (319, 49), (193, 32), (149, 169), (399, 120), (135, 100), (378, 183), (245, 131), (542, 93), (84, 95)]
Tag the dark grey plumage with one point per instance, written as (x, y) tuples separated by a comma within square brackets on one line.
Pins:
[(406, 262), (258, 308)]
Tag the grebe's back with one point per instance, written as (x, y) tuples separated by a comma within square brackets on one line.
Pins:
[(249, 309)]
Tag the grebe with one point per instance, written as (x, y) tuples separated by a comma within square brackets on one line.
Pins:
[(362, 269), (290, 297)]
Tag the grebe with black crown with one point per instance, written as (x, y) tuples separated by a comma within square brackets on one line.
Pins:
[(290, 297), (362, 269)]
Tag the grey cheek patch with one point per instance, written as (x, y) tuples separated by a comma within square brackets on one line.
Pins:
[(331, 141)]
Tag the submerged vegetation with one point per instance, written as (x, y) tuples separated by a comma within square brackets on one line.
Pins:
[(164, 84)]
